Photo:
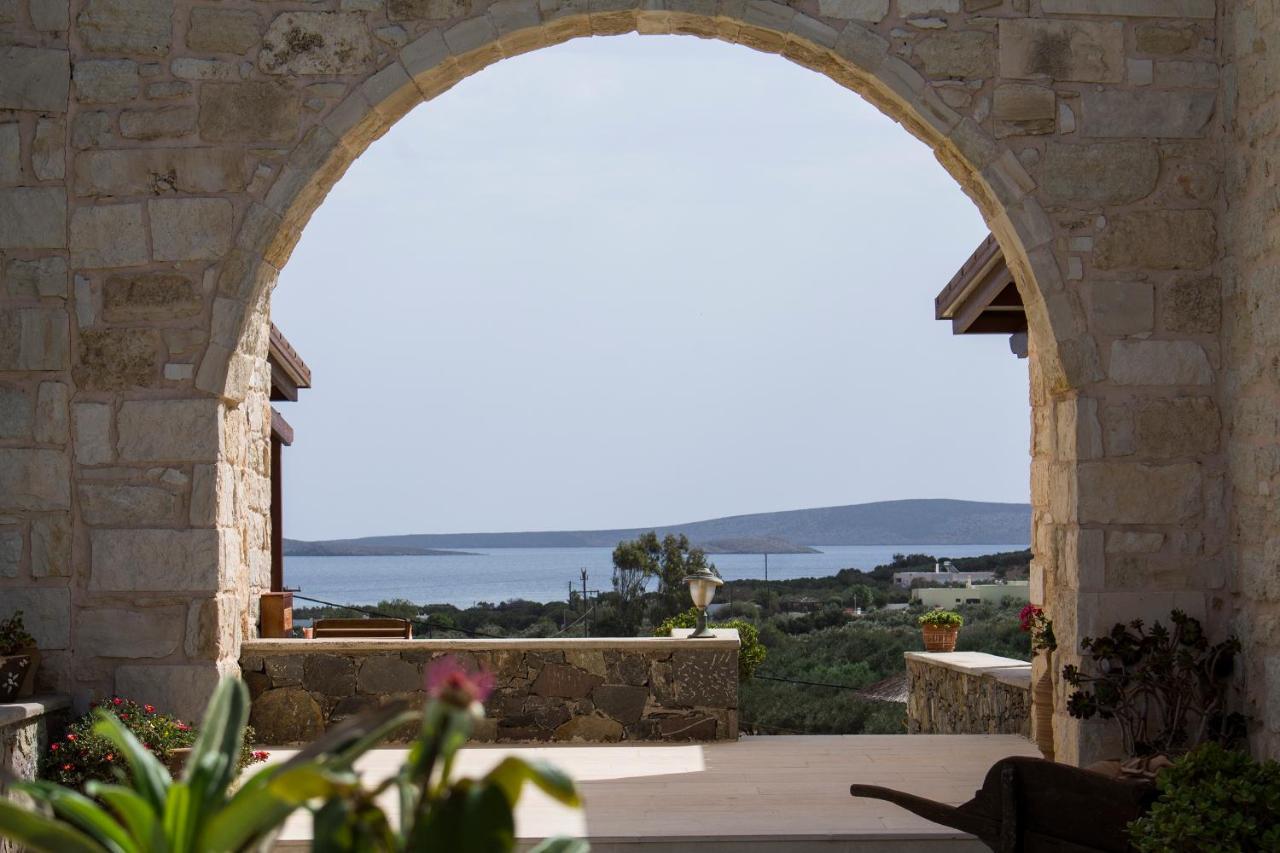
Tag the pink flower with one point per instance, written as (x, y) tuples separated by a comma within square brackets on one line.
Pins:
[(183, 727), (71, 738), (150, 709), (261, 755), (66, 767), (53, 747), (110, 756), (1028, 615), (117, 701), (451, 682)]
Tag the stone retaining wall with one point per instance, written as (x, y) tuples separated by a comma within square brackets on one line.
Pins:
[(24, 735), (968, 693), (597, 690)]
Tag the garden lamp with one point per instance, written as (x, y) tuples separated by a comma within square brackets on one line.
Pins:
[(702, 588)]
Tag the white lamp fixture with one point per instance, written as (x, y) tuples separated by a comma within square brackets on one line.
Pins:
[(702, 588)]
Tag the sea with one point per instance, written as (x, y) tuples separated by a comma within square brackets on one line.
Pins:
[(545, 574)]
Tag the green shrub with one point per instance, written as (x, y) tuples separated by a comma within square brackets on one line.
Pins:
[(1213, 799), (941, 619), (750, 656), (84, 754)]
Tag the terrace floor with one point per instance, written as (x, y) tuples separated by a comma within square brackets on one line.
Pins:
[(754, 795)]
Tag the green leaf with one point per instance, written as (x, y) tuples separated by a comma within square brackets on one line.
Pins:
[(81, 812), (353, 737), (150, 779), (263, 803), (180, 819), (474, 817), (35, 831), (215, 757), (512, 772), (134, 812), (560, 844)]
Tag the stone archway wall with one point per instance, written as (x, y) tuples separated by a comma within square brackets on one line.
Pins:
[(159, 158)]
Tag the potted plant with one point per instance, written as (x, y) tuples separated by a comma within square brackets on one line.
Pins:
[(17, 669), (1167, 689), (941, 627)]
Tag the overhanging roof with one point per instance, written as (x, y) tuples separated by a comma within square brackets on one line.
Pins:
[(288, 371), (982, 298)]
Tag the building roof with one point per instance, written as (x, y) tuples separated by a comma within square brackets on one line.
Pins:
[(288, 371), (982, 298)]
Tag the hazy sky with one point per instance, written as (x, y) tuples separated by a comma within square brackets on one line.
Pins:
[(631, 281)]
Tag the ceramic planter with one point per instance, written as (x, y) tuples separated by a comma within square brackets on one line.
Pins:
[(940, 638), (13, 672), (29, 682), (177, 759)]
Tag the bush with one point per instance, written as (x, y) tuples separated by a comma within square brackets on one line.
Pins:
[(941, 619), (1213, 799), (84, 755), (750, 656)]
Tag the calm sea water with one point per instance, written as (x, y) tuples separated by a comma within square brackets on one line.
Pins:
[(544, 574)]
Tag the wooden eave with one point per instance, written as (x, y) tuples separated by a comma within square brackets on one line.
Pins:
[(288, 371), (982, 297)]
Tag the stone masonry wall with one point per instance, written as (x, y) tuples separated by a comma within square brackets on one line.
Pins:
[(159, 159), (1250, 604), (965, 699), (549, 690)]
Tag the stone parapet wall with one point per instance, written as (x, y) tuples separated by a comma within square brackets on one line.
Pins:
[(601, 690), (24, 736), (968, 693)]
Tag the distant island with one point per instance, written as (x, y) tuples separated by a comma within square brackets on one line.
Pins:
[(906, 522), (355, 548), (754, 545)]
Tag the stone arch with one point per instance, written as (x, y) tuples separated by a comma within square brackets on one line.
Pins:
[(855, 57), (858, 57)]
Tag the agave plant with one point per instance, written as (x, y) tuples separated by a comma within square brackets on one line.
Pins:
[(202, 810)]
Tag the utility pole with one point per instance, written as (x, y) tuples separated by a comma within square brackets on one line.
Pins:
[(766, 565), (586, 621)]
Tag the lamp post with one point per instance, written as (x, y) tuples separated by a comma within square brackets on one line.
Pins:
[(702, 588)]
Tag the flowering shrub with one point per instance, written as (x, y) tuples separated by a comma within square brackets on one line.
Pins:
[(82, 754), (1039, 626)]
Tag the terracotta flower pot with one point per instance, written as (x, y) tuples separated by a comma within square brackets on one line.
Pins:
[(29, 683), (1042, 721), (177, 760), (13, 671), (940, 639)]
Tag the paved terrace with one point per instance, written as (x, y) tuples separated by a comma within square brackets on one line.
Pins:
[(758, 794)]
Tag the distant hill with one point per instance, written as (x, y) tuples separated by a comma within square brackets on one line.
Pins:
[(909, 522), (754, 545), (356, 548)]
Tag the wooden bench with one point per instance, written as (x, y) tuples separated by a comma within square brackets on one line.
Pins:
[(1029, 805), (365, 629)]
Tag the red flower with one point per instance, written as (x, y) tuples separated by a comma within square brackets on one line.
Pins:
[(183, 727), (117, 701), (110, 755), (260, 755), (53, 747), (66, 767), (71, 738), (150, 709), (1028, 615), (451, 682)]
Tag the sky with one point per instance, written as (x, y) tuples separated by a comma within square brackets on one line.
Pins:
[(633, 281)]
